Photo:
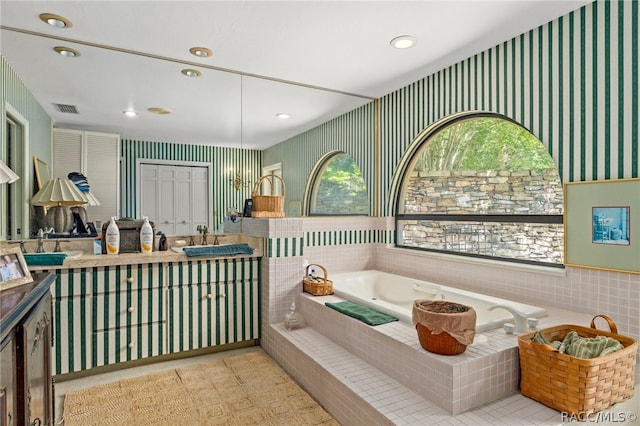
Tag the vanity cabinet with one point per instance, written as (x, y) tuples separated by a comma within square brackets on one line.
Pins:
[(212, 302), (105, 315), (128, 304)]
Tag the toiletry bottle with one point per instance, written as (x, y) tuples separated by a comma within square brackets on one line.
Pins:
[(146, 237), (112, 237), (293, 319)]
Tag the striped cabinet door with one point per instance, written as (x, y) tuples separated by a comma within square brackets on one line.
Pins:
[(128, 305), (212, 302), (72, 314)]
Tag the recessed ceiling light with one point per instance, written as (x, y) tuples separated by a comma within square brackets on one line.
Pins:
[(160, 111), (403, 42), (66, 51), (201, 52), (130, 113), (283, 115), (55, 20), (191, 73)]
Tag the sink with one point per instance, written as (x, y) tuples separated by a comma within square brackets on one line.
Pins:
[(49, 259)]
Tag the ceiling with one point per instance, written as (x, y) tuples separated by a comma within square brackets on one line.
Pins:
[(314, 60)]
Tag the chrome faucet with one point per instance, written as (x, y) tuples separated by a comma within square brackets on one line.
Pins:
[(42, 233), (519, 317), (204, 231)]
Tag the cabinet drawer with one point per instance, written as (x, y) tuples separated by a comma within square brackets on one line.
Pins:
[(117, 278), (128, 343), (219, 271), (72, 282), (127, 308)]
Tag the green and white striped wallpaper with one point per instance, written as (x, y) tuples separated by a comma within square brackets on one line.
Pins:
[(572, 82), (225, 162)]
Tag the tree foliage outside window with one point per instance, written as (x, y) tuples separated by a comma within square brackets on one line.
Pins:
[(484, 144), (483, 186), (339, 188)]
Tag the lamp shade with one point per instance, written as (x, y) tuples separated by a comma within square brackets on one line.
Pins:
[(58, 192), (6, 174)]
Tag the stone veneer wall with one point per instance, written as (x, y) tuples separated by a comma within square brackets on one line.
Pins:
[(529, 192)]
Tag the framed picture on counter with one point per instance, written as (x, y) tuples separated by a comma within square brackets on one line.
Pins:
[(13, 269)]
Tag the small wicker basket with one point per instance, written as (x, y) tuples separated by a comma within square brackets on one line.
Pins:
[(267, 205), (317, 286), (573, 385)]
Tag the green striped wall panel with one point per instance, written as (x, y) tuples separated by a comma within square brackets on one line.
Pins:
[(17, 95), (572, 82), (224, 161)]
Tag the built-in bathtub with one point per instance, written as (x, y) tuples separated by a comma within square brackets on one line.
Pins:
[(394, 295)]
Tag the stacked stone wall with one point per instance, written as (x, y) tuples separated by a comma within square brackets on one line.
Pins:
[(486, 192)]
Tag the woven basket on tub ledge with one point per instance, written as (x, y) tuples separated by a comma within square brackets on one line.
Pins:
[(316, 285), (573, 385), (267, 205)]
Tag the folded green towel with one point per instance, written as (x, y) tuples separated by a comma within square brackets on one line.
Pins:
[(582, 347), (44, 259), (363, 313), (224, 250)]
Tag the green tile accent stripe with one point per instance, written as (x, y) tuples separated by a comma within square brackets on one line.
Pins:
[(224, 196), (294, 247)]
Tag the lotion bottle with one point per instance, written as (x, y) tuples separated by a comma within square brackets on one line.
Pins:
[(146, 237), (112, 237)]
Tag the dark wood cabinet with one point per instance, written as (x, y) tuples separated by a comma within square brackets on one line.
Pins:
[(26, 386)]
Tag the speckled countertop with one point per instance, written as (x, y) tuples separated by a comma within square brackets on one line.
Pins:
[(89, 260)]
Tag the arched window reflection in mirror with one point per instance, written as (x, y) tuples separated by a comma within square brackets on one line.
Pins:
[(482, 185), (338, 187)]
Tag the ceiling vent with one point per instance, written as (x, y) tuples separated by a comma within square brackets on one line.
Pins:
[(67, 109)]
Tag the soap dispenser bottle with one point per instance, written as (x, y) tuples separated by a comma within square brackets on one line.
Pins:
[(146, 237), (112, 237)]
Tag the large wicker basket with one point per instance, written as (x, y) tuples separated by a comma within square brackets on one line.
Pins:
[(316, 285), (267, 205), (573, 385)]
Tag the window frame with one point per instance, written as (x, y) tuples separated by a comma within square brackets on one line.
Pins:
[(439, 217), (314, 182)]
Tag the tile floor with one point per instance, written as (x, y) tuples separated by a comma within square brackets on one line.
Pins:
[(511, 410)]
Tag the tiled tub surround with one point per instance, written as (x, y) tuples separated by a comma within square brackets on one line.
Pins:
[(483, 373), (381, 375), (571, 295)]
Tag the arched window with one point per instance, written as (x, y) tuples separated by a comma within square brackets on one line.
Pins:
[(482, 185), (338, 187)]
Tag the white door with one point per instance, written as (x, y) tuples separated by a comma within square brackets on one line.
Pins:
[(175, 197)]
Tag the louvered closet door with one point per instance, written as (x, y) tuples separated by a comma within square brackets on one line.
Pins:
[(102, 169), (68, 150)]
